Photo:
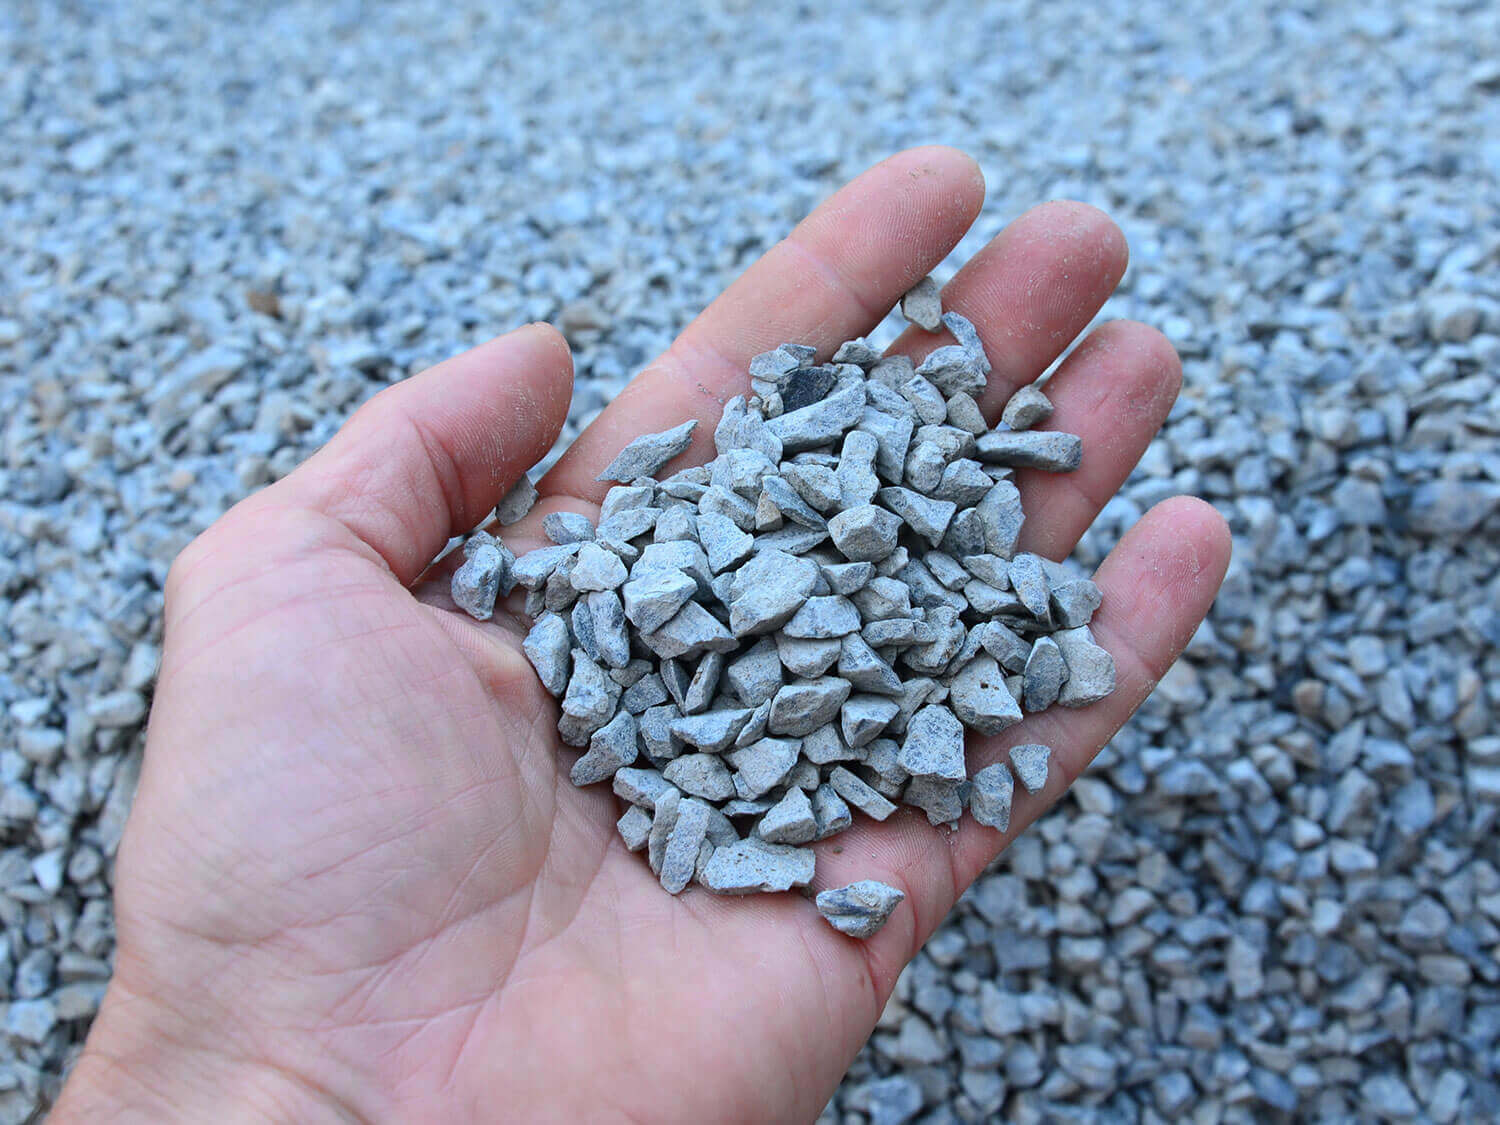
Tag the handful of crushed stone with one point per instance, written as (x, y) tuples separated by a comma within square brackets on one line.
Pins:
[(750, 649)]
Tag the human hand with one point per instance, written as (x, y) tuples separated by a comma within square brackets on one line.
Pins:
[(357, 883)]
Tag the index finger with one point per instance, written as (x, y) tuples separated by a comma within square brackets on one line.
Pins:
[(834, 277)]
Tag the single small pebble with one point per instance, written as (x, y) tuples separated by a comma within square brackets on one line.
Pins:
[(860, 909), (922, 306)]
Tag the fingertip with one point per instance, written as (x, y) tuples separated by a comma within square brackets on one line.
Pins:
[(1081, 227), (1190, 536)]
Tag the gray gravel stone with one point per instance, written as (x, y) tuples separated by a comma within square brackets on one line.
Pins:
[(566, 528), (1032, 449), (934, 745), (484, 576), (923, 306), (980, 699), (1026, 408), (1091, 669), (1044, 676), (645, 456), (1030, 763), (653, 597), (859, 795), (762, 765), (990, 796), (859, 909), (801, 707), (768, 590), (516, 503), (635, 827), (752, 866), (611, 748), (596, 569), (687, 835), (789, 821), (865, 533)]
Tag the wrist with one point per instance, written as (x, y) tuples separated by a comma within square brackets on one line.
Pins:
[(137, 1066)]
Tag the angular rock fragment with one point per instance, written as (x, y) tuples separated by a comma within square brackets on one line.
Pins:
[(1032, 449), (817, 485), (1000, 517), (1030, 763), (663, 820), (863, 717), (611, 636), (941, 798), (830, 811), (532, 569), (767, 590), (823, 618), (934, 744), (691, 632), (1091, 669), (640, 786), (954, 370), (820, 423), (847, 578), (611, 748), (1029, 581), (825, 745), (892, 434), (865, 533), (859, 795), (860, 909), (803, 386), (789, 821), (653, 597), (1074, 603), (1044, 675), (680, 856), (712, 731), (968, 338), (484, 576), (547, 646), (980, 699), (807, 657), (752, 866), (755, 676), (723, 541), (742, 428), (802, 706), (762, 765), (635, 827), (644, 456), (861, 665), (565, 528), (922, 305), (596, 569), (924, 515), (704, 685), (990, 796), (646, 692), (516, 503), (590, 698), (1027, 407), (701, 775)]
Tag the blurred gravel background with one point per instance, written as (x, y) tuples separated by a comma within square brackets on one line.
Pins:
[(1278, 893)]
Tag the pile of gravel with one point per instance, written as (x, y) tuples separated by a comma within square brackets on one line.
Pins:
[(1277, 891), (807, 623)]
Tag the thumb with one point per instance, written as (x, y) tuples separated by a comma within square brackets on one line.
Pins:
[(426, 459)]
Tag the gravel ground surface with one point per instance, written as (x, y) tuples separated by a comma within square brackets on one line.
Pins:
[(1277, 892)]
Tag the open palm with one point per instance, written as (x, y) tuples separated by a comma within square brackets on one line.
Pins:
[(357, 883)]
